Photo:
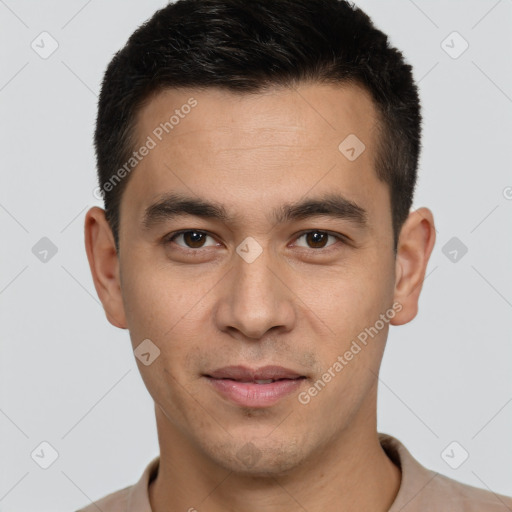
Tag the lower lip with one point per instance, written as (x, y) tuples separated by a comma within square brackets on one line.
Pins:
[(250, 394)]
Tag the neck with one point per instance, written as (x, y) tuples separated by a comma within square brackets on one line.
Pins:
[(351, 472)]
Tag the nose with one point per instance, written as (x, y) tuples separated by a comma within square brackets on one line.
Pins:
[(255, 298)]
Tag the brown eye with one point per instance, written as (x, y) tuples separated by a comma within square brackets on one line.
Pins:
[(192, 239), (317, 239)]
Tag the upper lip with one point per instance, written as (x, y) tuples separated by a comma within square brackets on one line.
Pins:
[(244, 374)]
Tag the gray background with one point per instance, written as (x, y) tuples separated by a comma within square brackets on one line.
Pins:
[(69, 378)]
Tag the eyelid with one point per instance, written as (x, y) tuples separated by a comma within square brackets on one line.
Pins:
[(339, 236), (171, 236)]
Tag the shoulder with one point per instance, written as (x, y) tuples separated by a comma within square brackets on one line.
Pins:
[(422, 489), (134, 498), (114, 502), (463, 497)]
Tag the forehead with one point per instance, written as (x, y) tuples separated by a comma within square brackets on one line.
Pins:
[(307, 113), (280, 145)]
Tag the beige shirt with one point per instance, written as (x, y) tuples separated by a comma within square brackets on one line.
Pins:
[(421, 490)]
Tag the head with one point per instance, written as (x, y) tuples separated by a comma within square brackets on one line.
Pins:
[(258, 162)]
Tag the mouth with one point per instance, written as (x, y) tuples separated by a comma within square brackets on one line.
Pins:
[(258, 388)]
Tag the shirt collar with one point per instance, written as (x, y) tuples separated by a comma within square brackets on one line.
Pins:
[(414, 476), (138, 496)]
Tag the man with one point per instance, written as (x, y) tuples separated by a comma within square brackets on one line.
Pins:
[(258, 163)]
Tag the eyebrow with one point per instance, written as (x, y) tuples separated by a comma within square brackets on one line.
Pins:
[(173, 205)]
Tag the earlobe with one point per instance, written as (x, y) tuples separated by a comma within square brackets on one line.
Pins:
[(104, 265), (415, 245)]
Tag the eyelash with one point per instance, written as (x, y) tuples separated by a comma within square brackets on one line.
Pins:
[(340, 238)]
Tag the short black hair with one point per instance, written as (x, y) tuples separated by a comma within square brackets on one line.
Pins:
[(247, 46)]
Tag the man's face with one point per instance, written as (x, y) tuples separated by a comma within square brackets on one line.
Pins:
[(293, 296)]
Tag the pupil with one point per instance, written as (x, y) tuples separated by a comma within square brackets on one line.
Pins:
[(193, 239), (316, 239)]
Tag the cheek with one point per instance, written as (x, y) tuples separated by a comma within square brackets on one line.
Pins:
[(169, 309), (353, 300), (350, 299), (156, 298)]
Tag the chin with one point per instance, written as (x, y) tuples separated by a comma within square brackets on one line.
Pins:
[(259, 457)]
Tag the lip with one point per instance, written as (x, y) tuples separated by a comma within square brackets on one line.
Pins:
[(238, 384), (244, 374)]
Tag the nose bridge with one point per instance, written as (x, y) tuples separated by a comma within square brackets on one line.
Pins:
[(256, 300)]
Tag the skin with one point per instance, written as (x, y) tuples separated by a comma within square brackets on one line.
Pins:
[(297, 305)]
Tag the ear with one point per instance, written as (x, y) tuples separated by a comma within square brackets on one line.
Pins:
[(104, 264), (415, 244)]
